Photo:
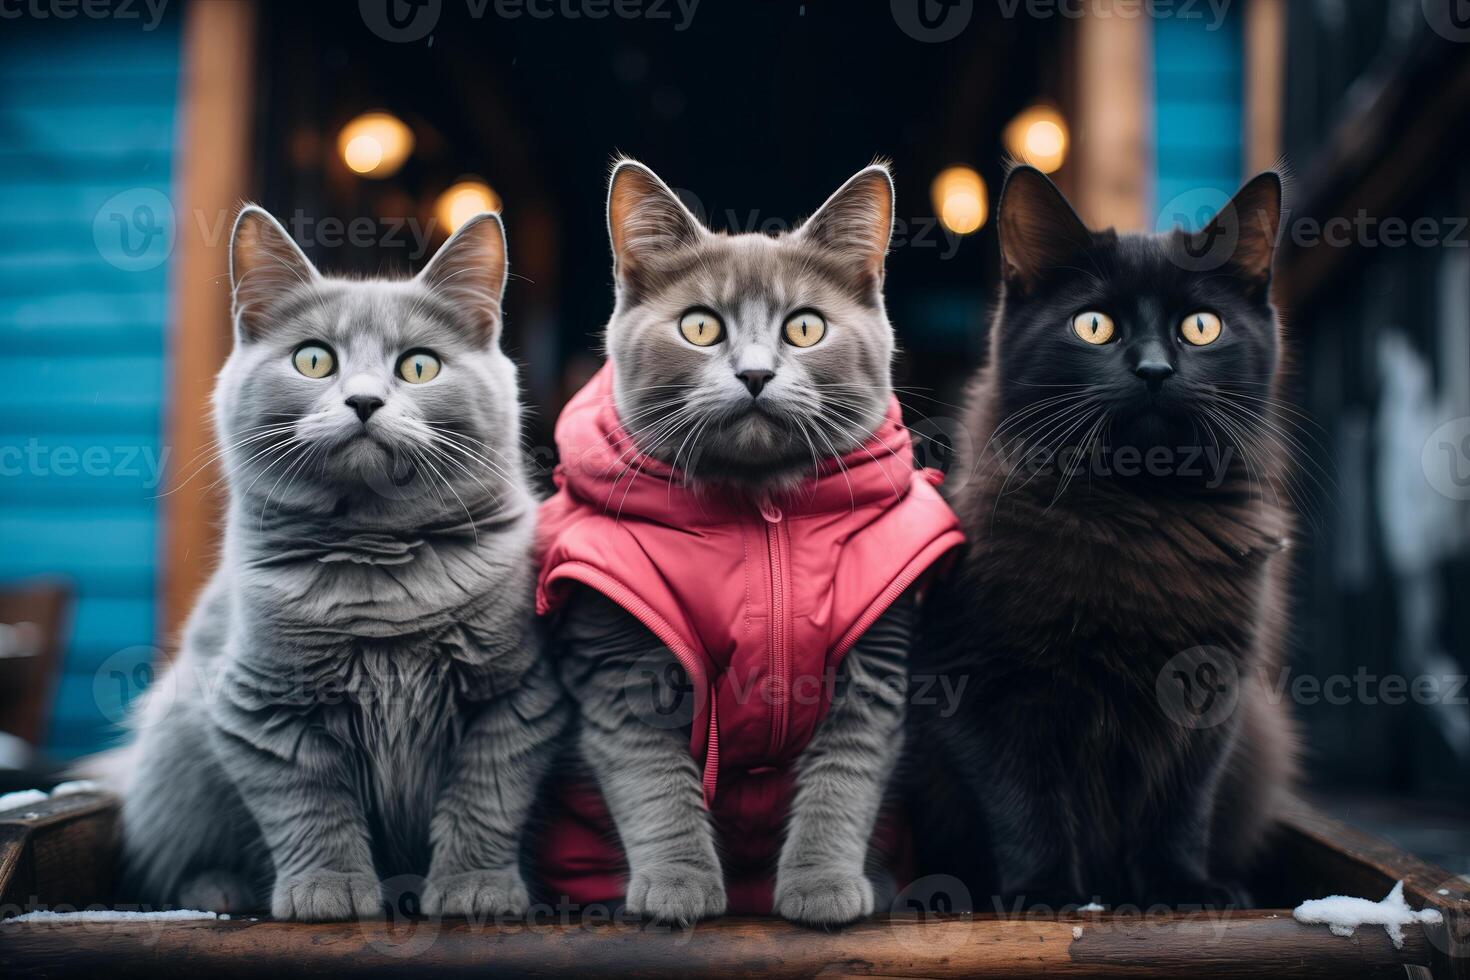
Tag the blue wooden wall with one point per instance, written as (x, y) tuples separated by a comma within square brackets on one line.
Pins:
[(87, 131), (1198, 114)]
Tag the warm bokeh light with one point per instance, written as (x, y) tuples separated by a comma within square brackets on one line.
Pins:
[(1038, 136), (375, 144), (960, 200), (462, 201)]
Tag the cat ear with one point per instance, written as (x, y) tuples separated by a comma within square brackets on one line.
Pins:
[(265, 266), (469, 272), (1245, 230), (1039, 231), (856, 222), (645, 219)]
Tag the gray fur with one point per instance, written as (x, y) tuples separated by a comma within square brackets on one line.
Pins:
[(359, 693), (684, 404)]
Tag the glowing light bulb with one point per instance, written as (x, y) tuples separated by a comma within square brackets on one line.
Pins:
[(960, 200), (462, 201), (1038, 136), (375, 144)]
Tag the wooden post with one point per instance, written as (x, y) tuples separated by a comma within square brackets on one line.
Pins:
[(1265, 83), (1113, 143), (213, 152)]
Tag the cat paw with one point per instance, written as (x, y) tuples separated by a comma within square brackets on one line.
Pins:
[(326, 896), (217, 891), (678, 895), (822, 897), (477, 895)]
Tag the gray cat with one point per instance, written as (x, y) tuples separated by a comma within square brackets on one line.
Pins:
[(359, 692), (751, 374)]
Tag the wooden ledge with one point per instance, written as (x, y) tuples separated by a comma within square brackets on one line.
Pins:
[(1197, 945), (59, 853)]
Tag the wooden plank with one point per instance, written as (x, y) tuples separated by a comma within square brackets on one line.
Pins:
[(1111, 142), (63, 854), (1259, 943), (1265, 82), (219, 50), (1345, 860)]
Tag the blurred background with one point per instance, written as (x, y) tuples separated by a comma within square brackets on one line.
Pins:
[(131, 131)]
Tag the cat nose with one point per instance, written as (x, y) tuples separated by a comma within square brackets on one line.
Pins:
[(755, 380), (1155, 371), (364, 405)]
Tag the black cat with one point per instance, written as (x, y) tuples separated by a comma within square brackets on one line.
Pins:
[(1121, 600)]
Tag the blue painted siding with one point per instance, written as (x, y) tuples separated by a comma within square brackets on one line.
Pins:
[(88, 111), (1198, 109)]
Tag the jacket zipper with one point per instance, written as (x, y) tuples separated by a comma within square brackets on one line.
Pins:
[(780, 631)]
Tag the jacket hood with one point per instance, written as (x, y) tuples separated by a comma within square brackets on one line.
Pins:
[(600, 466)]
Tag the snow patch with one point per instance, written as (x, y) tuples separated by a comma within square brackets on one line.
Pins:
[(107, 915), (22, 797), (1076, 932), (76, 786), (25, 797), (1090, 907), (1343, 914)]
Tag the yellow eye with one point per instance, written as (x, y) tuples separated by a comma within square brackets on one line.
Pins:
[(1093, 327), (805, 329), (418, 366), (1200, 328), (314, 360), (701, 328)]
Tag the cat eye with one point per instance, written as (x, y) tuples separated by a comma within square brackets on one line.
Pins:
[(418, 366), (701, 328), (1093, 327), (314, 360), (1200, 328), (804, 329)]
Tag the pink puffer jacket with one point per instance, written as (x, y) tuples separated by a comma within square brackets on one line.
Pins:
[(759, 603)]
